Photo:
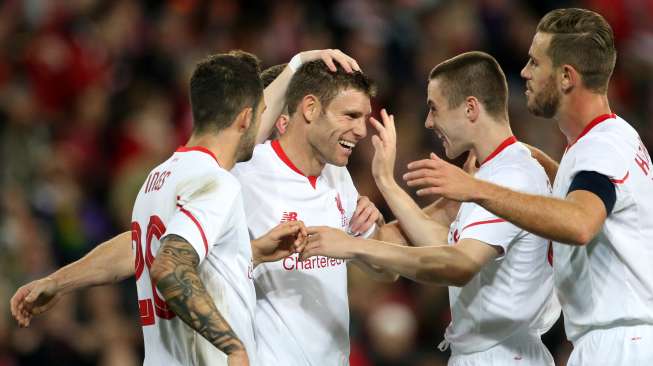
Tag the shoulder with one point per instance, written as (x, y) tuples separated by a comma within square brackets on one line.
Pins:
[(207, 180), (260, 161), (518, 170)]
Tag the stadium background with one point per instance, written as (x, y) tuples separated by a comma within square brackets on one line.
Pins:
[(94, 93)]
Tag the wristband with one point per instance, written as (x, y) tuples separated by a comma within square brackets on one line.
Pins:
[(295, 63)]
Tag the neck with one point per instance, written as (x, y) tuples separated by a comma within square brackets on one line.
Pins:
[(578, 110), (222, 145), (295, 144), (494, 133)]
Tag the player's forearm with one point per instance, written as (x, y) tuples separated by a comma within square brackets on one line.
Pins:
[(377, 273), (442, 265), (442, 211), (275, 99), (552, 218), (175, 274), (110, 262), (391, 233), (416, 224)]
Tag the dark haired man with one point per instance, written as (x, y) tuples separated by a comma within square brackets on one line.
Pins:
[(601, 215), (500, 282), (190, 213)]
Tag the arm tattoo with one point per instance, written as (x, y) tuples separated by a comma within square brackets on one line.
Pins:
[(186, 295)]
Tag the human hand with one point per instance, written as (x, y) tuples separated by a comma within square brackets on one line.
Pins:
[(439, 177), (385, 148), (328, 242), (33, 299), (281, 241), (330, 57), (365, 216)]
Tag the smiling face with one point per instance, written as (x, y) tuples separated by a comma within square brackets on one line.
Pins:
[(542, 94), (450, 125), (340, 126)]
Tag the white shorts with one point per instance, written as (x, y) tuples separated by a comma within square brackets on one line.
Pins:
[(627, 346), (522, 350)]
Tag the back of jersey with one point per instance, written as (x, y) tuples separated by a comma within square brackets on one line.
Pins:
[(190, 196)]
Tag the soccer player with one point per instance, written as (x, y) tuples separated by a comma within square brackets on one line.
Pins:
[(500, 281), (191, 207), (601, 215), (302, 312)]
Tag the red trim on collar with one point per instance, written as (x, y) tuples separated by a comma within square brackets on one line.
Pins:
[(591, 125), (276, 146), (507, 142), (201, 149)]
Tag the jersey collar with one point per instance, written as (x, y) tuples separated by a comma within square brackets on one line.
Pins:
[(276, 146), (201, 149), (591, 125), (507, 142)]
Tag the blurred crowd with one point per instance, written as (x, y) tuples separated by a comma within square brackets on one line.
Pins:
[(93, 94)]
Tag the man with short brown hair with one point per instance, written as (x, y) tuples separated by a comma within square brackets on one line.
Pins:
[(500, 283), (601, 215)]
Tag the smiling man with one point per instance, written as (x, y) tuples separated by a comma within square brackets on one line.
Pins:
[(500, 284), (302, 311)]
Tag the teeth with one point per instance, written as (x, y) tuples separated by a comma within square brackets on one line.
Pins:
[(347, 144)]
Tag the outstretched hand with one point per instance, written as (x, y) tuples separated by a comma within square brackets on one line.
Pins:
[(328, 242), (438, 177), (281, 241), (33, 299), (385, 147)]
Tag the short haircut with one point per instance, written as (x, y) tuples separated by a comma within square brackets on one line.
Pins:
[(474, 74), (271, 73), (583, 39), (315, 78), (222, 85)]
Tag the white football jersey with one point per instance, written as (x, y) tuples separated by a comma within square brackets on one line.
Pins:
[(514, 294), (191, 196), (609, 282), (302, 310)]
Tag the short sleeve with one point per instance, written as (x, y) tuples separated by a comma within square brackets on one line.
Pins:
[(597, 154), (482, 225), (203, 207)]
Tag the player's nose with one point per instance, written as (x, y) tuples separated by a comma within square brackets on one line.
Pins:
[(524, 72), (428, 123), (360, 129)]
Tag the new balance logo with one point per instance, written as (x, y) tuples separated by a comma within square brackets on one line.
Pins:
[(288, 216)]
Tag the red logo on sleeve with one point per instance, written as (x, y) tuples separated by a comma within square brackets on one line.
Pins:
[(643, 159)]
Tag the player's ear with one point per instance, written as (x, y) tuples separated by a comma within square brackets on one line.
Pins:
[(569, 78), (310, 107), (243, 119), (472, 108), (282, 123)]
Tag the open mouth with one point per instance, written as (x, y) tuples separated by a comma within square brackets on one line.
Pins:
[(347, 144)]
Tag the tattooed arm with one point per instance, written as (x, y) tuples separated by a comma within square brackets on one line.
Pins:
[(175, 273)]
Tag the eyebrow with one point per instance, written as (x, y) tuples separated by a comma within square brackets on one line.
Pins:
[(353, 113)]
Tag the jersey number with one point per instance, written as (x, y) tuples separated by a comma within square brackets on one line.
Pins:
[(146, 307)]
